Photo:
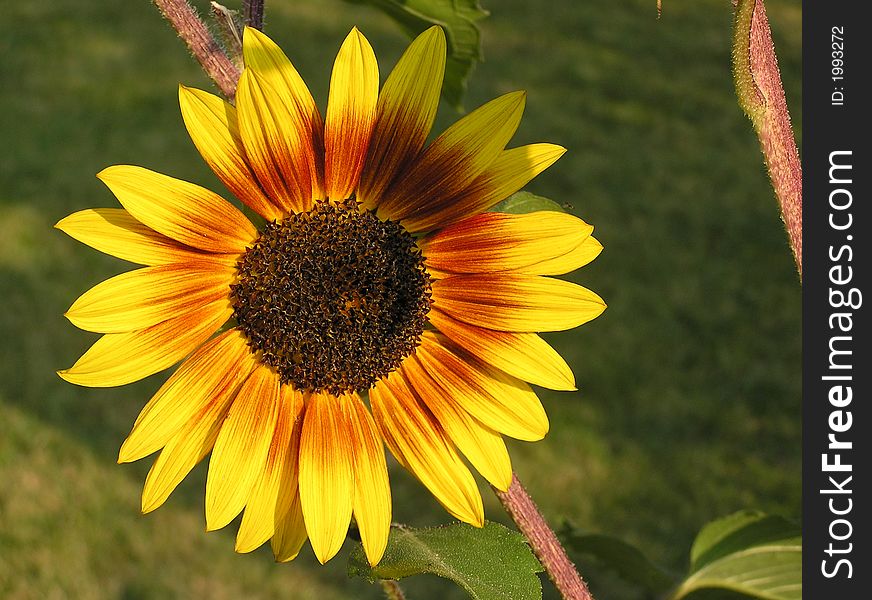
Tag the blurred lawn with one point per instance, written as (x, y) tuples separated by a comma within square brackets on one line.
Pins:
[(690, 393)]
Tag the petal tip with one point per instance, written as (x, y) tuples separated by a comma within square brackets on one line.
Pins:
[(148, 505), (211, 525), (285, 558), (504, 484), (128, 452), (436, 34), (325, 549), (567, 385), (252, 34), (375, 558), (601, 308), (186, 94), (123, 453), (68, 375), (357, 36), (569, 379), (110, 173)]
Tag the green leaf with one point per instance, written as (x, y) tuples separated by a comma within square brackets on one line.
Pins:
[(736, 532), (626, 560), (524, 202), (491, 563), (458, 19), (749, 554)]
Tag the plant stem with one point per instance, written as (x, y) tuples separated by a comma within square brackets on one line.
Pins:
[(544, 542), (761, 96), (203, 46), (252, 11), (392, 589)]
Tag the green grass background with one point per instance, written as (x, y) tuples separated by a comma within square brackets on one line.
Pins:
[(690, 382)]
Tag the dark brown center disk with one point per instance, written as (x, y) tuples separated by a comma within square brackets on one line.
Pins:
[(333, 298)]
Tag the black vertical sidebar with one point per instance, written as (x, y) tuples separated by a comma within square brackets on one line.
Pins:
[(837, 433)]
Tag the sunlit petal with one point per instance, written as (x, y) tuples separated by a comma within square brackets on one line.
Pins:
[(121, 358), (523, 355), (404, 115), (241, 448), (350, 115), (326, 474), (180, 210), (418, 441), (455, 159), (115, 232)]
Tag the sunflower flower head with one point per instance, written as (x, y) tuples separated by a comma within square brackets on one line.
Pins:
[(377, 277)]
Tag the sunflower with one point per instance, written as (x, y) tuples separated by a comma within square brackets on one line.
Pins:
[(376, 275)]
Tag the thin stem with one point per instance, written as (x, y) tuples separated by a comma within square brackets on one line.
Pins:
[(252, 11), (392, 589), (203, 46), (544, 542)]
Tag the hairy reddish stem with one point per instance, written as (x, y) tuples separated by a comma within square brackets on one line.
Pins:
[(761, 95), (203, 46), (544, 542)]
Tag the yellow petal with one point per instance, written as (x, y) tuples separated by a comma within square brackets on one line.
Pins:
[(350, 115), (502, 402), (579, 256), (523, 355), (265, 58), (190, 444), (242, 447), (509, 302), (455, 159), (115, 232), (218, 366), (326, 475), (508, 173), (404, 115), (483, 446), (271, 497), (213, 127), (121, 358), (180, 210), (372, 491), (145, 297), (290, 532), (419, 443), (493, 242), (279, 151)]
